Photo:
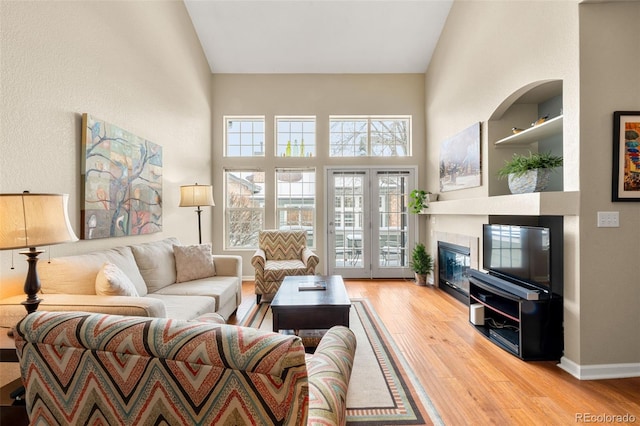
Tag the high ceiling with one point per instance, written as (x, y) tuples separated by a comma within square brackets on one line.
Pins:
[(321, 36)]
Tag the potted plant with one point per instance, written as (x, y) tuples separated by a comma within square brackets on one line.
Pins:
[(419, 200), (421, 264), (529, 173)]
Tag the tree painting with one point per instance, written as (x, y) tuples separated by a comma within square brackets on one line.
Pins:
[(122, 177)]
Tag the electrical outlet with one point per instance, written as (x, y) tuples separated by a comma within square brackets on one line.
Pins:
[(608, 219)]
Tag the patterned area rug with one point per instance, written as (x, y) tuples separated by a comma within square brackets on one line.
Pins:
[(382, 389)]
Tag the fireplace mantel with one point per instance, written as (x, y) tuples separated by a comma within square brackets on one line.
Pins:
[(535, 204)]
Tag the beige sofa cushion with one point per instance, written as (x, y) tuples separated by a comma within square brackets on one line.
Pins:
[(185, 307), (11, 311), (77, 274), (156, 262), (111, 281), (193, 262), (222, 289)]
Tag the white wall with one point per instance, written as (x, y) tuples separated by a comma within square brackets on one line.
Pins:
[(137, 65)]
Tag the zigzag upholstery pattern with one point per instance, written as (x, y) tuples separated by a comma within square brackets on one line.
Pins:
[(280, 254), (327, 368), (83, 368)]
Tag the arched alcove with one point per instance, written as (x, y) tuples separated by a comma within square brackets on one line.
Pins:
[(520, 110)]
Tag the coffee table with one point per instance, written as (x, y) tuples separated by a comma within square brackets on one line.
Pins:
[(295, 309)]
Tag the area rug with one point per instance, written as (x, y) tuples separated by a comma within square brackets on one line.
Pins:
[(382, 389)]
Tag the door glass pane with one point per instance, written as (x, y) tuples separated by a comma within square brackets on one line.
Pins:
[(393, 194), (349, 219)]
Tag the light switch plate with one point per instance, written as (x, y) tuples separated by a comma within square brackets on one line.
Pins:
[(608, 219)]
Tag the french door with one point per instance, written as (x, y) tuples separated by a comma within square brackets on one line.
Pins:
[(369, 230)]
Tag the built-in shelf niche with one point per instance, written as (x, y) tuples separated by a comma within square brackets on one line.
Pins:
[(522, 108), (533, 134)]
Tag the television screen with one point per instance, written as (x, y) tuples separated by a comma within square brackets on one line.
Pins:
[(518, 252)]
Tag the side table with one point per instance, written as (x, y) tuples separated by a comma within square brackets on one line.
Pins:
[(11, 412)]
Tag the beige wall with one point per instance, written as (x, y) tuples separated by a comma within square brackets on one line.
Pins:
[(138, 65), (310, 94), (488, 51), (610, 282)]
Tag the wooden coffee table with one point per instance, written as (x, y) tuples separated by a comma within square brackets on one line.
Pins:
[(295, 309)]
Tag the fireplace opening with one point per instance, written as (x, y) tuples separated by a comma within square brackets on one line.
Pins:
[(454, 262)]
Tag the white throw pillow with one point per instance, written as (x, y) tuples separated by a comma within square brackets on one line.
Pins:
[(111, 281), (193, 262)]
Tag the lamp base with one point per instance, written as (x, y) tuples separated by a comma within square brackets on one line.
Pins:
[(32, 283), (31, 305)]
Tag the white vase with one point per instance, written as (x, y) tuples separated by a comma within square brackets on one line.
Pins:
[(531, 181)]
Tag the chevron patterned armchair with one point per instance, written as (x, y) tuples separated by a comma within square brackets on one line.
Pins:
[(83, 368), (280, 254)]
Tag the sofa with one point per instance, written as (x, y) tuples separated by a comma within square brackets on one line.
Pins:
[(88, 368), (280, 254), (162, 279)]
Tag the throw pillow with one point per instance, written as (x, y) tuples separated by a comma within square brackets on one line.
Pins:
[(193, 262), (111, 281)]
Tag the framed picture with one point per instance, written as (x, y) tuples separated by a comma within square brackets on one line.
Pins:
[(626, 156), (460, 160), (122, 182)]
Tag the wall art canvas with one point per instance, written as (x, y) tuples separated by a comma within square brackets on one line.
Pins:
[(122, 178), (626, 156), (460, 160)]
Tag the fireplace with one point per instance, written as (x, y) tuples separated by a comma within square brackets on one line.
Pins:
[(454, 262)]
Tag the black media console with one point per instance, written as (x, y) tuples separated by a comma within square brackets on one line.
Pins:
[(522, 321)]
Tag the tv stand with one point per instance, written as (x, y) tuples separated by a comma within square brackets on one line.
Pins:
[(528, 328)]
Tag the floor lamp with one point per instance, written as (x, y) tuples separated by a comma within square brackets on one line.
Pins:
[(32, 220), (197, 196)]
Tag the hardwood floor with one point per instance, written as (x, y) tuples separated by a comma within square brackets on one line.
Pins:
[(472, 381)]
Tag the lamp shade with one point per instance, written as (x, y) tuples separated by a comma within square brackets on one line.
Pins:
[(31, 220), (196, 195)]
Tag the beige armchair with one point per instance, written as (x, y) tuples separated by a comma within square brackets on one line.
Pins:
[(280, 254)]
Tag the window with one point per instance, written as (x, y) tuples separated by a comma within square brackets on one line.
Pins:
[(370, 136), (295, 136), (244, 209), (296, 200), (348, 137), (244, 136)]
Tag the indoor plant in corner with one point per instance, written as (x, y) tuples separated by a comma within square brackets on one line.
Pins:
[(421, 264), (529, 173)]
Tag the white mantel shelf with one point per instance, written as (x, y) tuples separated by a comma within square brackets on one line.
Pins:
[(535, 204)]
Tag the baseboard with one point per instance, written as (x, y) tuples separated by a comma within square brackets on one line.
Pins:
[(600, 371)]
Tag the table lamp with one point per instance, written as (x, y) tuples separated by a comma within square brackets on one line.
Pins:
[(30, 220), (197, 196)]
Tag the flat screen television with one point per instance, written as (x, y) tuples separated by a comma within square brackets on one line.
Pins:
[(520, 254)]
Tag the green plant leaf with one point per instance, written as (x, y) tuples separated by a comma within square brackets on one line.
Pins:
[(520, 164)]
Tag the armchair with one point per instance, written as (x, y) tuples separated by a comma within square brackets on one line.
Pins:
[(86, 368), (280, 254)]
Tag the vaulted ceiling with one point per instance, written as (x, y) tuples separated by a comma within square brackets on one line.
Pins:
[(319, 36)]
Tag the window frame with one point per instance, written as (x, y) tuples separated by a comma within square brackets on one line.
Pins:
[(369, 143), (243, 118), (295, 118), (229, 210), (311, 238)]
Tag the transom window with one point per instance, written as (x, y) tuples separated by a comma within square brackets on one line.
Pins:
[(295, 136), (375, 136), (296, 200), (244, 207), (244, 136)]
